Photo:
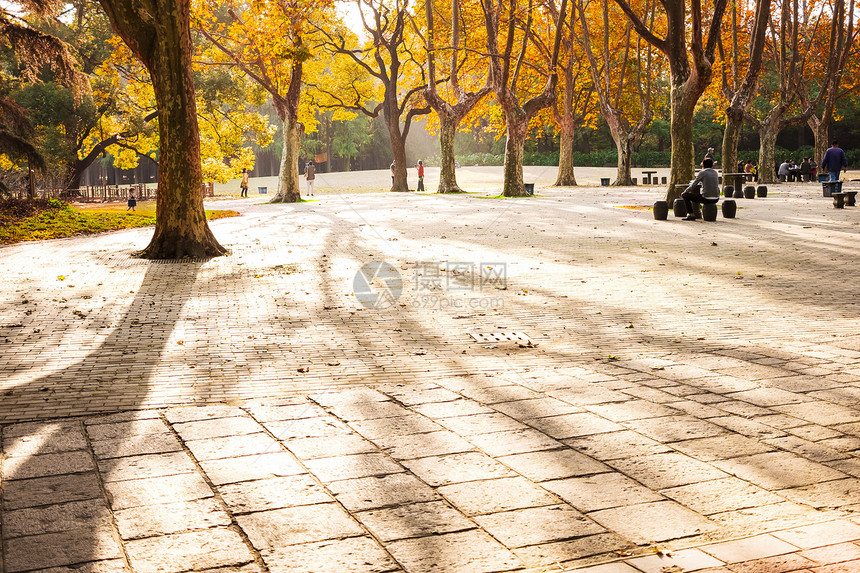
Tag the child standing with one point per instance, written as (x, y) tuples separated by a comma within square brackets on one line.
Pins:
[(132, 202), (420, 175)]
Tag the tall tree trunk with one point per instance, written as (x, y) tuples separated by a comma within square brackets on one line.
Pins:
[(289, 190), (731, 138), (624, 145), (31, 180), (566, 176), (821, 131), (76, 173), (162, 41), (682, 102), (514, 152), (741, 98), (288, 110), (767, 153), (448, 171), (398, 150)]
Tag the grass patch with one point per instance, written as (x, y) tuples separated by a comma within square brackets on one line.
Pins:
[(56, 219), (503, 197)]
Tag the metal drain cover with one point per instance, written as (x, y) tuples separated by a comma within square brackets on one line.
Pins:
[(492, 337)]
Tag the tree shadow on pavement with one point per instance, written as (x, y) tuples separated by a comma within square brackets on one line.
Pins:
[(54, 507)]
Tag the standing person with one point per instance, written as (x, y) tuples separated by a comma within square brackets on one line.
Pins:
[(310, 175), (244, 184), (834, 161), (393, 165), (420, 167), (132, 202), (813, 166), (705, 188), (709, 155)]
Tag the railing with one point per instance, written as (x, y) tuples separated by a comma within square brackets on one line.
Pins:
[(107, 193)]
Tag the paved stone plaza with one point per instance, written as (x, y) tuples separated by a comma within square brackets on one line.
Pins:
[(421, 383)]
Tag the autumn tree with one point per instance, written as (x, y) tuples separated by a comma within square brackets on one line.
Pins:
[(620, 68), (740, 91), (690, 57), (389, 54), (266, 39), (823, 72), (158, 32), (463, 96), (777, 104), (36, 52), (507, 26), (574, 108)]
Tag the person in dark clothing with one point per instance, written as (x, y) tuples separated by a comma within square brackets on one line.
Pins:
[(805, 170), (834, 161), (704, 189)]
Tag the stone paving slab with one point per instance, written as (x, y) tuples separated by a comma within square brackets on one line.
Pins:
[(248, 413)]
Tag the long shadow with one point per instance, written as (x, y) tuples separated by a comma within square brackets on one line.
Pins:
[(58, 466), (414, 328)]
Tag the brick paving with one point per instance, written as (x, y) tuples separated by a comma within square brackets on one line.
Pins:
[(684, 396)]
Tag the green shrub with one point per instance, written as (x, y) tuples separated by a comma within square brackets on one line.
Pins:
[(58, 205)]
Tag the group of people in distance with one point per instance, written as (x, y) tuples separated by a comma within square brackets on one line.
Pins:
[(705, 188), (790, 171), (418, 166), (833, 163)]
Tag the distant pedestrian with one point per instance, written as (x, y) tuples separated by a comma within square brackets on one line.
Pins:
[(814, 167), (834, 161), (244, 184), (132, 202), (310, 171), (420, 167), (704, 189), (709, 155), (393, 165)]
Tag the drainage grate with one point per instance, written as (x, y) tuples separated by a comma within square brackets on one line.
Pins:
[(518, 337)]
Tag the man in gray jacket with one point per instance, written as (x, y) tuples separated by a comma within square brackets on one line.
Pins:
[(704, 189)]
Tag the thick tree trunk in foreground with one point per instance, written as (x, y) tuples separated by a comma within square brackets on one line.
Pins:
[(289, 190), (288, 110), (448, 171), (566, 176), (514, 152), (159, 34)]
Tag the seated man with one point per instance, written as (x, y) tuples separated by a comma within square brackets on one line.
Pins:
[(783, 172), (705, 188)]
